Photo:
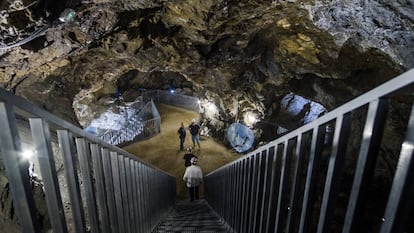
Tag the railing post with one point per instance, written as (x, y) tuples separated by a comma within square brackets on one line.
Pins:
[(318, 137), (109, 189), (402, 191), (246, 211), (100, 186), (259, 190), (113, 176), (131, 193), (239, 191), (17, 170), (41, 140), (373, 131), (124, 192), (301, 144), (69, 163), (267, 185), (276, 177), (283, 185), (84, 159), (117, 191), (139, 200), (335, 169)]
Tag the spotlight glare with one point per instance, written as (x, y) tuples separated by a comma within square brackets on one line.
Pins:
[(250, 118), (27, 154), (211, 107)]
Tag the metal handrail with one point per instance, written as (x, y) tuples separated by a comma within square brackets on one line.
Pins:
[(109, 190), (175, 99), (135, 129), (284, 185)]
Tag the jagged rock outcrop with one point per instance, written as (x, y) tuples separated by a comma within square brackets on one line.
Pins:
[(242, 56), (261, 49)]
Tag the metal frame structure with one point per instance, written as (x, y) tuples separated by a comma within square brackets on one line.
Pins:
[(108, 189), (175, 99), (139, 127), (317, 180)]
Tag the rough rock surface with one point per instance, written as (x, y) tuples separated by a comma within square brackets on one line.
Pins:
[(242, 56), (251, 53)]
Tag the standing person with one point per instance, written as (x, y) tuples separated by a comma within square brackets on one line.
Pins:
[(187, 157), (181, 132), (193, 177), (195, 133)]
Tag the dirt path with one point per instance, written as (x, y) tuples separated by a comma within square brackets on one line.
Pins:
[(163, 150)]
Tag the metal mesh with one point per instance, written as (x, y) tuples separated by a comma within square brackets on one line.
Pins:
[(145, 123), (174, 99)]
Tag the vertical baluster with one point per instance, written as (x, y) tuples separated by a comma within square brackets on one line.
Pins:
[(266, 189), (134, 201), (72, 180), (318, 136), (84, 160), (283, 185), (297, 183), (241, 186), (238, 200), (402, 191), (100, 186), (145, 189), (373, 130), (259, 189), (335, 169), (41, 140), (138, 191), (124, 192), (109, 188), (274, 184), (248, 193), (17, 171), (117, 191)]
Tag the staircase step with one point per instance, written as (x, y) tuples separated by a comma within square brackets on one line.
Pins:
[(191, 217)]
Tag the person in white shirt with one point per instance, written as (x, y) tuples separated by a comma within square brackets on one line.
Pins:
[(193, 177)]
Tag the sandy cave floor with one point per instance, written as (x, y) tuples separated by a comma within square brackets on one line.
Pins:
[(163, 151)]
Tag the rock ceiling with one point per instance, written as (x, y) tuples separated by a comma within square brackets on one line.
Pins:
[(245, 53)]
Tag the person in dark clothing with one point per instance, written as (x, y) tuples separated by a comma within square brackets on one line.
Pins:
[(187, 157), (181, 132), (195, 133)]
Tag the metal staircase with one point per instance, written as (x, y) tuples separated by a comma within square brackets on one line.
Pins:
[(323, 177), (335, 174), (143, 124), (195, 217), (87, 184)]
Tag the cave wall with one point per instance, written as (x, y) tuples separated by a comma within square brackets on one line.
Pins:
[(327, 51), (243, 56)]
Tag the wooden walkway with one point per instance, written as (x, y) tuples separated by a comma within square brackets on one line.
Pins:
[(192, 217)]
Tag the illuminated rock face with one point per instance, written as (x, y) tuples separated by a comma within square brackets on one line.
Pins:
[(244, 57)]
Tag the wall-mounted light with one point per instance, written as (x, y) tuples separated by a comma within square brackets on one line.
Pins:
[(27, 154), (208, 108), (211, 107), (250, 118)]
